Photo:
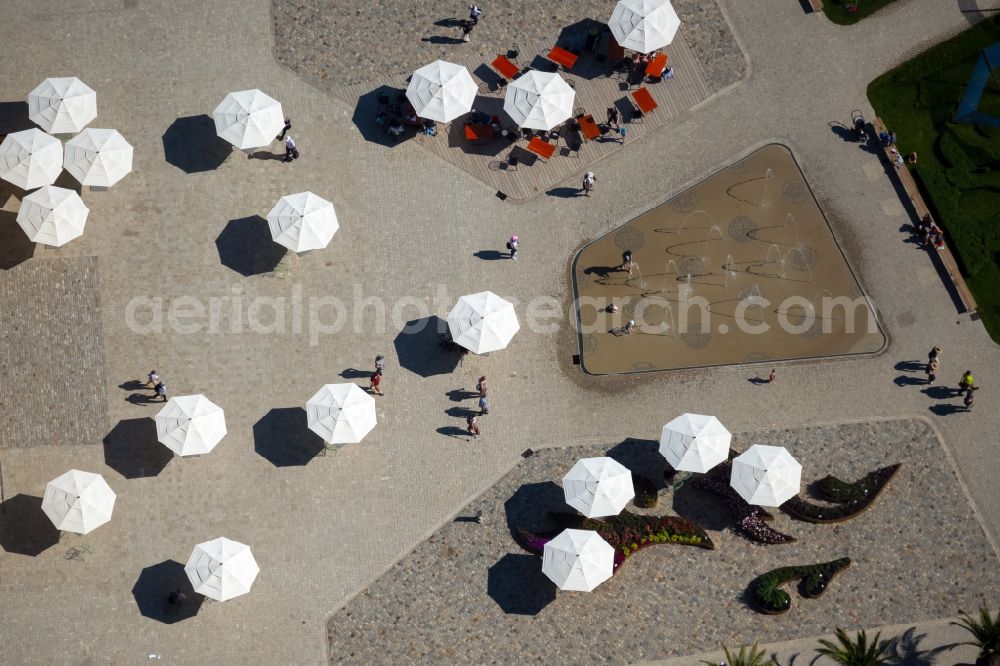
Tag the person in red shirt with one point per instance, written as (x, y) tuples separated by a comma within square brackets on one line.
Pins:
[(376, 384)]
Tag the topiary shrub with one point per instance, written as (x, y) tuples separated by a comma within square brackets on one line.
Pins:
[(766, 592), (850, 498)]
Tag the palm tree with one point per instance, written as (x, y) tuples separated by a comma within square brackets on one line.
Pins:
[(754, 657), (855, 652), (986, 632)]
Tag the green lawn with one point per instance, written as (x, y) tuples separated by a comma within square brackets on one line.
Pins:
[(959, 164), (836, 10)]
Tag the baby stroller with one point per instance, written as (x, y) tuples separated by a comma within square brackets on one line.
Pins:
[(860, 126)]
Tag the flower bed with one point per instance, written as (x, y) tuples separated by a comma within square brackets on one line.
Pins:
[(766, 592), (850, 498), (749, 518), (626, 532)]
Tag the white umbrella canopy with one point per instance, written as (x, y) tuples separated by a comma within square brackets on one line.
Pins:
[(52, 215), (766, 475), (248, 119), (30, 159), (695, 442), (598, 487), (221, 569), (78, 501), (441, 91), (98, 157), (303, 222), (539, 100), (62, 105), (482, 322), (644, 25), (578, 560), (190, 425), (341, 413)]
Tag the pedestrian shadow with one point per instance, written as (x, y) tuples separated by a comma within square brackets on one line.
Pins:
[(245, 246), (906, 380), (843, 131), (422, 350), (15, 246), (518, 586), (945, 409), (441, 39), (192, 145), (267, 155), (133, 385), (454, 431), (143, 398), (758, 381), (283, 438), (24, 527), (910, 366), (448, 23), (354, 373), (460, 412), (459, 395), (940, 392), (132, 449), (491, 255), (603, 272), (154, 586), (565, 192)]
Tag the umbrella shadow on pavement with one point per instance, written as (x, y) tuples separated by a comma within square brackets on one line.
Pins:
[(383, 100), (421, 350), (641, 456), (191, 145), (153, 588), (14, 117), (245, 245), (15, 247), (24, 527), (573, 38), (132, 449), (283, 437), (528, 508), (516, 583)]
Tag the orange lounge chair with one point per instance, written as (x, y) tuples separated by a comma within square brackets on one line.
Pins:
[(505, 67), (562, 57), (656, 66)]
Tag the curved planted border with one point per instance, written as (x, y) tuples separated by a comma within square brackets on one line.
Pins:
[(626, 532), (766, 592), (850, 498), (749, 518)]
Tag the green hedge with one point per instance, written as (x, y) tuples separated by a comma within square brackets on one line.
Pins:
[(770, 598), (959, 164), (850, 498)]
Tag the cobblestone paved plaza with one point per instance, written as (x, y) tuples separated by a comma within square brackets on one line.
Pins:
[(176, 271)]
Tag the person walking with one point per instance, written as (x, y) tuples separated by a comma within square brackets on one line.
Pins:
[(482, 387), (969, 399), (484, 405), (589, 179), (933, 354), (379, 363), (161, 390), (467, 27), (474, 13), (931, 371), (288, 126), (291, 151), (626, 262), (966, 383), (512, 245), (472, 425), (613, 117), (773, 376), (376, 383), (152, 379)]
